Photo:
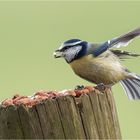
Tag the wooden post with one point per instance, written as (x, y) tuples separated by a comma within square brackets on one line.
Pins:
[(90, 116)]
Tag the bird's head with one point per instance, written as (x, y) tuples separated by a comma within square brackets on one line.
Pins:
[(71, 50)]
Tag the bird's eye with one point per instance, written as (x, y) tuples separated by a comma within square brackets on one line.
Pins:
[(65, 48)]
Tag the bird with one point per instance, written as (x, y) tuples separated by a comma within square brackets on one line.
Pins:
[(100, 63)]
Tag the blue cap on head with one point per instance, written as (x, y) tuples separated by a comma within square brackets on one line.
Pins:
[(71, 41)]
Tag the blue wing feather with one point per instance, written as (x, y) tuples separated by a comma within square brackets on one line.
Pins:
[(102, 48), (123, 40)]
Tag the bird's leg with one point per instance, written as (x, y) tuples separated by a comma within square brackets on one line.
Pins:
[(102, 87), (79, 87)]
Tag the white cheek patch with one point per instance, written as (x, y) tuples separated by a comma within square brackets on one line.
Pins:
[(72, 52)]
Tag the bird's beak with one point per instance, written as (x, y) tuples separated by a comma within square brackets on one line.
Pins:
[(57, 54)]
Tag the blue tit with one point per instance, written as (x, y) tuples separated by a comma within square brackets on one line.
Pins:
[(100, 62)]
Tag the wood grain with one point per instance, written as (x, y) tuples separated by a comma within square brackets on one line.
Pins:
[(90, 116)]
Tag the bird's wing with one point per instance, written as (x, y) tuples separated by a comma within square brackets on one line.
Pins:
[(124, 54), (123, 40)]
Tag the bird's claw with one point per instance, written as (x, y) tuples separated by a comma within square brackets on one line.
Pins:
[(102, 87), (79, 87)]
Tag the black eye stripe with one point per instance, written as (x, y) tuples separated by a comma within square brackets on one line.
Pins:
[(67, 47)]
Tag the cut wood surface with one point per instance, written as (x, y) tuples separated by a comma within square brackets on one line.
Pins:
[(89, 116)]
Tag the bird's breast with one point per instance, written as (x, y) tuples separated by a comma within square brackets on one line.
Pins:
[(105, 70)]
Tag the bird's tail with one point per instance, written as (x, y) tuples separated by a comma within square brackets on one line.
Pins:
[(132, 87)]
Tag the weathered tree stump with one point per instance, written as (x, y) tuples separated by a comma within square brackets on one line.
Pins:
[(90, 116)]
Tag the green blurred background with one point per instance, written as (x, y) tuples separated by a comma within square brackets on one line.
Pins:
[(31, 31)]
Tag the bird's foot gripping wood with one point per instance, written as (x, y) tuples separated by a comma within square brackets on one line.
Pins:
[(102, 87), (79, 87)]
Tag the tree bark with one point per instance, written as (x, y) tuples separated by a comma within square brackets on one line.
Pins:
[(90, 116)]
